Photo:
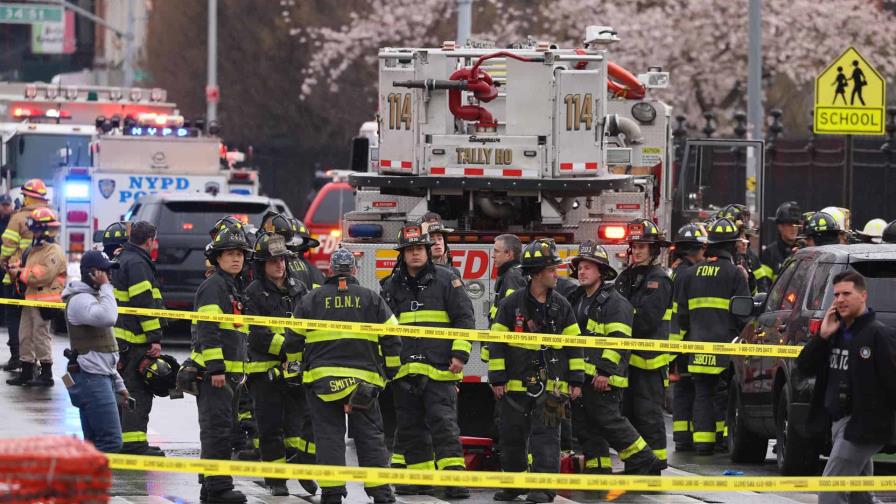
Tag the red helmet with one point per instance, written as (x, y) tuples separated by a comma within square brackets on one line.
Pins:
[(43, 218), (35, 188)]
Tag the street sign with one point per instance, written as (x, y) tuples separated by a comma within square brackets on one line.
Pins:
[(850, 97), (30, 13)]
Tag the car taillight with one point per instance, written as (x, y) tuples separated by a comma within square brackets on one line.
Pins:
[(154, 254), (814, 326), (612, 232)]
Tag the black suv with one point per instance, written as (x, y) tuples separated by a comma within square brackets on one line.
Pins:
[(183, 222), (768, 398)]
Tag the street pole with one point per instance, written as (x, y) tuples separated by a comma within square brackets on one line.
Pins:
[(129, 48), (755, 113), (211, 112), (464, 21)]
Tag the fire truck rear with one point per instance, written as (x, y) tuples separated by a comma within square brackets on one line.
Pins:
[(526, 141)]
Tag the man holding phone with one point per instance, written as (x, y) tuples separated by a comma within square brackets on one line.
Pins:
[(853, 359), (93, 383)]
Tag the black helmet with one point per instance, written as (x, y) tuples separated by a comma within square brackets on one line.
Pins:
[(159, 374), (646, 231), (229, 222), (269, 246), (788, 213), (342, 261), (279, 224), (302, 239), (114, 237), (432, 223), (889, 234), (694, 234), (411, 235), (592, 252), (538, 255), (822, 222), (736, 213), (723, 230), (228, 239)]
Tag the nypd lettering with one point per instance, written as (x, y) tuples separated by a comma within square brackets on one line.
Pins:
[(140, 185)]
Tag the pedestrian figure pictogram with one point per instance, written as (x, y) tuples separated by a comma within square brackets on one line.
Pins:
[(842, 83), (858, 82)]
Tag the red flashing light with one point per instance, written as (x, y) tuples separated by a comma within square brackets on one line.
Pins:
[(612, 232), (77, 216), (814, 326), (76, 237), (187, 226), (241, 175), (23, 112)]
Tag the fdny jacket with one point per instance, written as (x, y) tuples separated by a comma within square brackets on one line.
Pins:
[(16, 238), (649, 290), (517, 365), (434, 298), (762, 275), (703, 301), (135, 285), (219, 347), (608, 314), (335, 361), (678, 270), (44, 272), (302, 270), (773, 257), (510, 279), (267, 345)]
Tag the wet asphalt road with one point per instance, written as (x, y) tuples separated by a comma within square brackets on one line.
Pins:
[(174, 427)]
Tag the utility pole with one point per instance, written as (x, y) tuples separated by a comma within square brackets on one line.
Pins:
[(212, 93), (129, 48), (464, 21), (755, 112)]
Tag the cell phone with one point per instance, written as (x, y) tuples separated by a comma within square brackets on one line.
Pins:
[(131, 404)]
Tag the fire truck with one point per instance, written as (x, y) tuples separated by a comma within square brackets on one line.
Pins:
[(536, 140)]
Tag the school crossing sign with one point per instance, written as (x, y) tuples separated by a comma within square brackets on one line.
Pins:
[(850, 97)]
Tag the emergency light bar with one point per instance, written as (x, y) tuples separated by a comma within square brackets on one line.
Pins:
[(140, 131), (33, 113)]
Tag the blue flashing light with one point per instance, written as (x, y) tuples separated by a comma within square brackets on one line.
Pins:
[(182, 132), (77, 190), (369, 231), (240, 191), (162, 132)]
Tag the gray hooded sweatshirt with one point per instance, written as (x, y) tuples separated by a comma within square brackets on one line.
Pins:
[(84, 308)]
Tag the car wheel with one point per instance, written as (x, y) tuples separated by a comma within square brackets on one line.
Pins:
[(797, 455), (743, 446)]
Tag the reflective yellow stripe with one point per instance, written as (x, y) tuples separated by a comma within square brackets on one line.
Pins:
[(393, 361), (391, 321), (245, 415), (525, 346), (605, 329), (606, 463), (461, 346), (150, 325), (763, 272), (493, 311), (676, 336), (618, 381), (554, 385), (11, 234), (667, 315), (421, 368), (484, 354), (295, 442), (412, 317), (343, 372), (681, 426), (210, 308), (661, 454), (500, 327), (330, 483), (571, 330), (212, 354), (121, 295), (133, 437), (450, 462), (592, 463), (397, 459), (705, 369), (496, 365), (720, 426), (322, 335), (704, 437), (611, 355), (141, 287), (428, 465), (7, 251), (229, 366), (648, 364), (128, 336), (260, 367), (576, 364), (341, 394), (276, 344), (294, 356), (634, 448), (156, 294), (709, 302)]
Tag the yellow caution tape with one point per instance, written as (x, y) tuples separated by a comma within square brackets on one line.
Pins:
[(505, 480), (300, 325)]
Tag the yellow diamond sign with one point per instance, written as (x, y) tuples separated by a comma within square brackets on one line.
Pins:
[(850, 96)]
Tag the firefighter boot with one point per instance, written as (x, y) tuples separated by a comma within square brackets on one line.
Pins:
[(456, 492), (509, 494), (24, 377), (45, 379), (540, 496), (277, 487), (226, 497), (13, 364)]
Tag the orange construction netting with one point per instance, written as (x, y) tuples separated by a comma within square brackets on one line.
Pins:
[(56, 469)]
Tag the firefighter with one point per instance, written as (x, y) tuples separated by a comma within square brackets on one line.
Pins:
[(283, 422), (689, 246), (288, 228), (824, 229), (760, 280), (16, 238), (219, 350), (648, 288), (534, 383), (889, 234), (872, 231), (344, 372), (506, 256), (438, 233), (703, 300), (597, 419), (425, 389), (788, 218), (114, 238), (42, 278), (299, 245), (135, 285)]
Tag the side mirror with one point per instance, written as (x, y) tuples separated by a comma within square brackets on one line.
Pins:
[(743, 306)]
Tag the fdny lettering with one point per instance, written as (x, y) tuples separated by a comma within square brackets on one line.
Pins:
[(840, 359), (704, 360), (142, 185), (484, 156), (708, 271), (342, 302), (341, 384)]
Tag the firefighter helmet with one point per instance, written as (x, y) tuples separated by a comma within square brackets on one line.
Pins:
[(228, 239), (412, 235), (279, 224), (592, 252), (841, 215), (873, 230), (538, 255), (35, 188), (269, 246), (229, 222), (691, 234), (889, 234), (42, 219), (432, 223), (342, 261), (822, 222), (722, 231), (116, 234), (159, 374), (646, 231), (302, 239), (788, 213)]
